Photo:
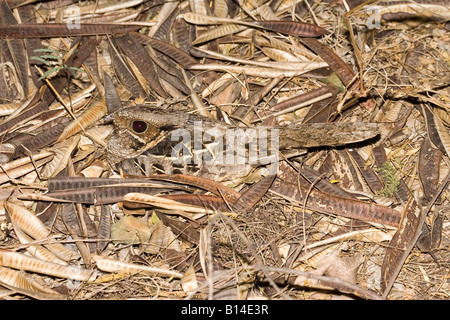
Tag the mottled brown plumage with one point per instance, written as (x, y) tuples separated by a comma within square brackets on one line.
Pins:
[(147, 140)]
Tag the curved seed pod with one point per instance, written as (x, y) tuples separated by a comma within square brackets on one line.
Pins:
[(220, 31), (345, 207), (220, 8), (299, 99), (167, 9), (212, 186), (296, 65), (42, 139), (343, 71), (287, 27), (165, 203), (26, 221), (280, 55), (20, 261), (253, 195), (294, 28), (108, 265), (266, 12), (52, 30), (112, 98), (443, 114), (401, 244), (434, 128), (140, 58), (16, 47), (89, 117), (34, 227), (428, 168), (36, 250), (171, 51), (406, 10), (207, 201), (18, 168), (9, 108), (263, 72), (24, 284), (443, 133), (63, 152), (23, 161)]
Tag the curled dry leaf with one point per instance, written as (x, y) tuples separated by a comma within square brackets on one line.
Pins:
[(130, 230), (189, 280)]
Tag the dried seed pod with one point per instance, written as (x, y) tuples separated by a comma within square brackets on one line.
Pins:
[(88, 118), (22, 166), (401, 244), (165, 203), (26, 221), (20, 261), (343, 71), (219, 32), (288, 27), (63, 152), (24, 284), (34, 227), (16, 47), (36, 250), (294, 28), (109, 265), (253, 195), (52, 30)]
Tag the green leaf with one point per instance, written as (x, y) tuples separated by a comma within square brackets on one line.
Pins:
[(47, 73), (388, 171), (76, 69), (130, 230), (41, 60), (73, 69), (46, 50), (49, 56)]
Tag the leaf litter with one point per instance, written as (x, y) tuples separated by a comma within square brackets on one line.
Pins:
[(367, 220)]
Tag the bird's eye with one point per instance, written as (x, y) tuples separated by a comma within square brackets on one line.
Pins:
[(139, 126)]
